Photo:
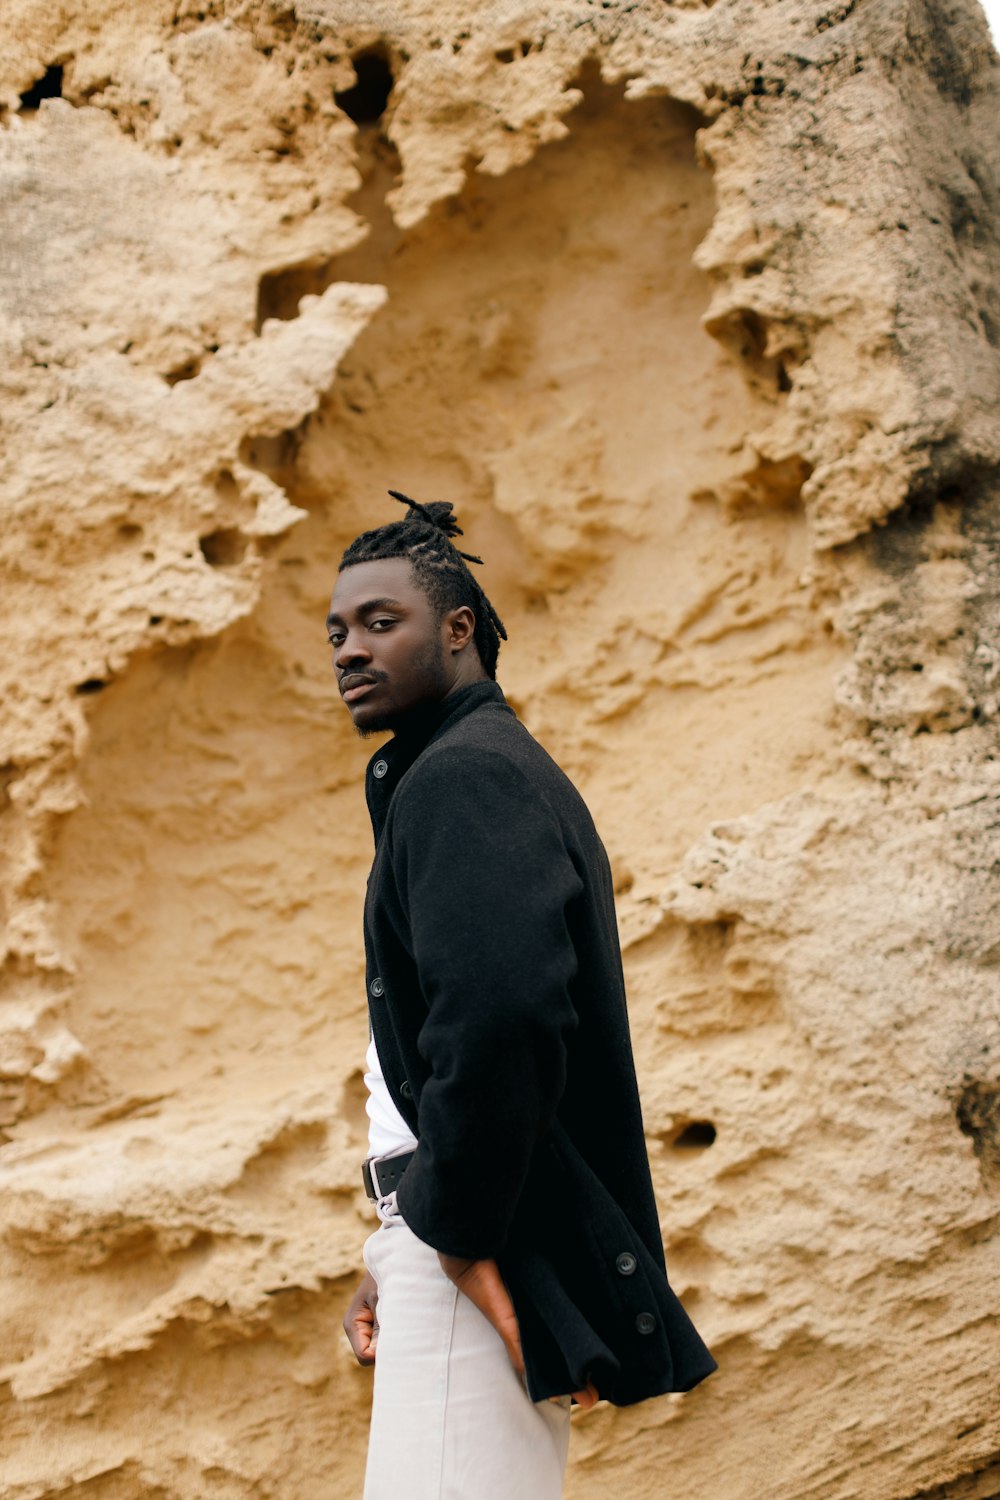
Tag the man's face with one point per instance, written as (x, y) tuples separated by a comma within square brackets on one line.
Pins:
[(388, 648)]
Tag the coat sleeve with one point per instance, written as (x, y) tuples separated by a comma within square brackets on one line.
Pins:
[(486, 881)]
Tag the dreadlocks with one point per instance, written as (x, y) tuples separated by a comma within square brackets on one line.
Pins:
[(424, 537)]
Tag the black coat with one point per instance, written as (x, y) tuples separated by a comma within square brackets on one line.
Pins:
[(498, 1008)]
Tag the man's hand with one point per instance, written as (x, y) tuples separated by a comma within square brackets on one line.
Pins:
[(482, 1283), (360, 1321)]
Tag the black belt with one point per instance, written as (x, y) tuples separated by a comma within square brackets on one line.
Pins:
[(383, 1174)]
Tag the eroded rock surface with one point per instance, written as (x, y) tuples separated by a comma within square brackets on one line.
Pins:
[(693, 310)]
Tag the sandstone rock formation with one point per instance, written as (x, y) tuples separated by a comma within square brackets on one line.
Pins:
[(693, 309)]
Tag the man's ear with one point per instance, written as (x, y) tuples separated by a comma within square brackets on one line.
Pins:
[(460, 627)]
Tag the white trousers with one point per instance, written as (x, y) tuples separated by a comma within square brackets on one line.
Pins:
[(450, 1418)]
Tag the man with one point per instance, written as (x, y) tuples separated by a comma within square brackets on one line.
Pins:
[(519, 1261)]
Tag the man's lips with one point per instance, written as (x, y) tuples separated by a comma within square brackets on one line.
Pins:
[(355, 685)]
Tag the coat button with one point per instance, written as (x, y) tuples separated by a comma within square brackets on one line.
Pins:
[(379, 768), (404, 1088), (626, 1263), (645, 1323), (376, 989)]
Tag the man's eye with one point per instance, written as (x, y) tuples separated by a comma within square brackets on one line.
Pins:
[(382, 624), (336, 639)]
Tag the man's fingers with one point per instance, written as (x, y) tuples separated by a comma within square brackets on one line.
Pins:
[(481, 1282), (360, 1322), (363, 1337), (587, 1398), (506, 1327)]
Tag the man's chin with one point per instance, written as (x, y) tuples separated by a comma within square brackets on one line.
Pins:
[(381, 723)]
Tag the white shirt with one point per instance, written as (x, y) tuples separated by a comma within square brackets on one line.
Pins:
[(388, 1132)]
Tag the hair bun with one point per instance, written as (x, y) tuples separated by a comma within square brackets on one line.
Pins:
[(437, 513)]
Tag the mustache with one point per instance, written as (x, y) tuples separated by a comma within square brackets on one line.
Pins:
[(356, 678)]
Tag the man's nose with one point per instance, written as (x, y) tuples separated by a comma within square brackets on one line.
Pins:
[(351, 651)]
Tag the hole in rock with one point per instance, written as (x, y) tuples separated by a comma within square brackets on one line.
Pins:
[(365, 101), (92, 685), (511, 54), (779, 482), (49, 86), (226, 487), (751, 331), (695, 1136), (224, 548), (280, 292), (977, 1110), (745, 333), (186, 371)]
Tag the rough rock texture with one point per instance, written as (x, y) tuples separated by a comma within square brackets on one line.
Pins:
[(694, 310)]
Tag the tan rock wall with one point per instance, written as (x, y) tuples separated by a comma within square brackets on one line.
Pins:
[(693, 311)]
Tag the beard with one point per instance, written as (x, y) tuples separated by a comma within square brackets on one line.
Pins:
[(426, 683)]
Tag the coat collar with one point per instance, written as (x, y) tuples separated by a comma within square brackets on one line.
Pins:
[(412, 735)]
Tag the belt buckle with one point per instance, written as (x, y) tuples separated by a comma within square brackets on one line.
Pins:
[(371, 1184)]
